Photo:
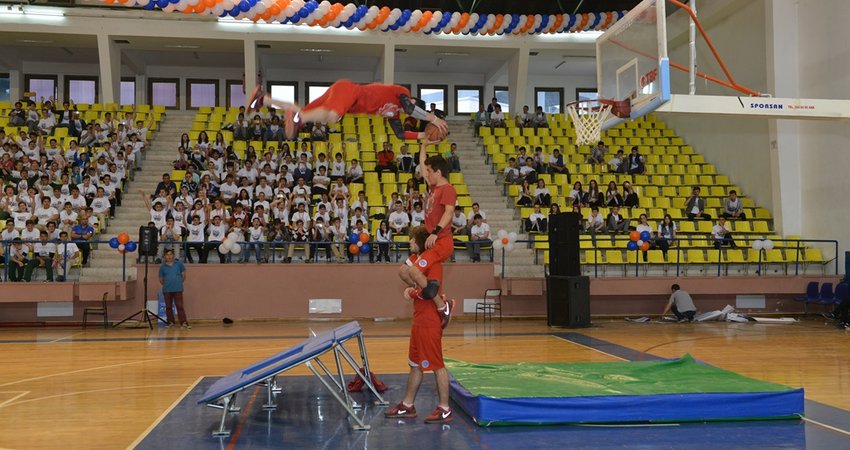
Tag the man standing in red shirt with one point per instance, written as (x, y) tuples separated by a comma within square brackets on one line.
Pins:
[(439, 245), (425, 351), (344, 96)]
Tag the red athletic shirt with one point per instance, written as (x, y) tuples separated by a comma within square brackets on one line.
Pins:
[(380, 99), (441, 196)]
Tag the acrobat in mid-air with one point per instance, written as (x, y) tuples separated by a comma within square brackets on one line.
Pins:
[(344, 96)]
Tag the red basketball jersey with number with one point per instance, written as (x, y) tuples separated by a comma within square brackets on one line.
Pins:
[(441, 196), (379, 99)]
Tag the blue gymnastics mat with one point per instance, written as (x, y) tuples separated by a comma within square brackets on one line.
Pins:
[(676, 391)]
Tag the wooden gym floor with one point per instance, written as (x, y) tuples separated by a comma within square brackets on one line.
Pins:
[(68, 388)]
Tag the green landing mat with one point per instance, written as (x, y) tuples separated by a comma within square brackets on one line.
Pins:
[(530, 380)]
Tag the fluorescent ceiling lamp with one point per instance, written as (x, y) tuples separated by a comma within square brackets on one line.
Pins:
[(182, 46), (32, 11), (316, 50), (33, 41), (452, 54)]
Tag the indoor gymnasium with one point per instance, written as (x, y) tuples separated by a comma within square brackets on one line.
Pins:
[(460, 224)]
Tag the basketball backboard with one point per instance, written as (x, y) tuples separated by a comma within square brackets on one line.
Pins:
[(632, 62)]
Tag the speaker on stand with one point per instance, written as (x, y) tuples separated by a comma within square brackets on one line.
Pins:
[(147, 249), (567, 292)]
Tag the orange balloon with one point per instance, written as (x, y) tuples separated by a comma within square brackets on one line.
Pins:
[(559, 20), (497, 24), (464, 18), (609, 17), (123, 238), (364, 237), (188, 10), (353, 249), (109, 2), (199, 8), (634, 236), (426, 17), (209, 3), (644, 247), (529, 22), (274, 10), (584, 19)]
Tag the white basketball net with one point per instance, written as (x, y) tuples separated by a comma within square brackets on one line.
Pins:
[(588, 122)]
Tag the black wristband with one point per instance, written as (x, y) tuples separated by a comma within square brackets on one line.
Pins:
[(436, 230)]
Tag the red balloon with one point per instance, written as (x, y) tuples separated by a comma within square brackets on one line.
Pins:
[(364, 237), (123, 238), (644, 247), (634, 236), (353, 249)]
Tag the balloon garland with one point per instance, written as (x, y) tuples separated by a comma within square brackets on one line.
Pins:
[(336, 15)]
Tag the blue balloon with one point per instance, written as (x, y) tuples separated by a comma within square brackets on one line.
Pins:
[(113, 243), (645, 236), (245, 6), (354, 238), (632, 245), (366, 249), (304, 12), (130, 246), (235, 12)]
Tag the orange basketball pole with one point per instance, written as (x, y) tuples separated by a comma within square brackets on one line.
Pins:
[(731, 83)]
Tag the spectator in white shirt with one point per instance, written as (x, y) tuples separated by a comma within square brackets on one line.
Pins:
[(399, 220), (536, 222), (479, 236), (459, 222), (43, 253), (354, 173), (722, 234), (476, 209), (67, 254), (541, 194)]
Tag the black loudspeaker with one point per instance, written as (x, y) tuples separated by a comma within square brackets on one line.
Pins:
[(568, 301), (147, 241), (564, 229)]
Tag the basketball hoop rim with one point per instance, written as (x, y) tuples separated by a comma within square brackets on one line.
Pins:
[(619, 108)]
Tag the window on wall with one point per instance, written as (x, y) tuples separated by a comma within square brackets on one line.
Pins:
[(283, 91), (437, 94), (164, 92), (467, 99), (316, 90), (235, 92), (4, 87), (502, 97), (128, 91), (42, 86), (550, 99), (201, 93), (81, 89)]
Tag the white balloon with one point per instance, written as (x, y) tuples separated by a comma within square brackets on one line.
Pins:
[(768, 244), (171, 7), (415, 16), (473, 19), (259, 8), (758, 244), (121, 246), (454, 21), (394, 15), (509, 248), (236, 249), (435, 19), (502, 233), (639, 242), (223, 248), (512, 236), (497, 244), (217, 10)]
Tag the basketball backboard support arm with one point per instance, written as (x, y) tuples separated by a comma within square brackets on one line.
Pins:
[(775, 108)]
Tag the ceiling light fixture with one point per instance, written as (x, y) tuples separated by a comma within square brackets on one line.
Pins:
[(452, 54), (316, 50), (33, 41), (182, 46)]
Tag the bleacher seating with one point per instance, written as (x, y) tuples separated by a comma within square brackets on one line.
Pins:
[(89, 113), (357, 137), (673, 168)]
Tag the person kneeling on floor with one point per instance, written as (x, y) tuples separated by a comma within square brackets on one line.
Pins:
[(681, 304)]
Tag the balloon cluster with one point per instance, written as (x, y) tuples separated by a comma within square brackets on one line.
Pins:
[(504, 240), (359, 243), (230, 244), (762, 244), (337, 15), (122, 243), (639, 241)]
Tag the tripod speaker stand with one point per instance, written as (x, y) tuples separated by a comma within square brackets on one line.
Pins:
[(147, 248)]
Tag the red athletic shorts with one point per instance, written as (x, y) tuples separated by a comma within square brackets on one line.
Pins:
[(441, 251), (426, 348)]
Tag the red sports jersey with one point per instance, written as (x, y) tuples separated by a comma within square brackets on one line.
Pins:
[(345, 96), (441, 196)]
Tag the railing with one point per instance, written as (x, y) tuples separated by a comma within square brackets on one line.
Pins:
[(795, 244), (247, 248)]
